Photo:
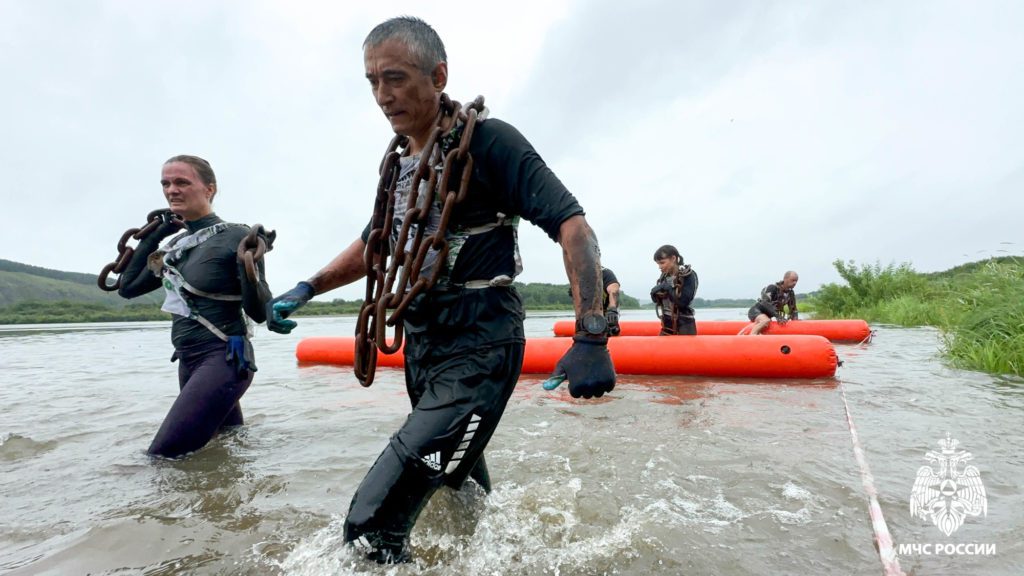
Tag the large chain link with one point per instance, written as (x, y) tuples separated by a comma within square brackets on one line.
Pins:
[(381, 272), (252, 248), (125, 252)]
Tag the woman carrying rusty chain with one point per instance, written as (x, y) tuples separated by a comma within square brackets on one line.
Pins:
[(207, 290), (674, 292)]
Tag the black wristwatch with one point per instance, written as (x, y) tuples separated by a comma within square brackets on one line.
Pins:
[(593, 323)]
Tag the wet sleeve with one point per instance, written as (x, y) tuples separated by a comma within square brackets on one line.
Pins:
[(386, 245), (792, 306), (366, 232), (510, 165), (608, 278), (254, 296), (689, 290), (767, 300), (136, 279)]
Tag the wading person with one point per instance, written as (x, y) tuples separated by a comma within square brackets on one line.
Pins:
[(207, 293), (674, 292), (775, 298), (610, 300), (464, 338)]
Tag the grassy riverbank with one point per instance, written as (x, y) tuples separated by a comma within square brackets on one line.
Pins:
[(978, 306)]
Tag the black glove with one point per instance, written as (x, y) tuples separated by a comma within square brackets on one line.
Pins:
[(612, 316), (587, 366), (781, 320), (284, 305), (661, 288), (170, 223)]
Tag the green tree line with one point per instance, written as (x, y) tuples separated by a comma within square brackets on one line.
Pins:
[(724, 302), (536, 296), (36, 312)]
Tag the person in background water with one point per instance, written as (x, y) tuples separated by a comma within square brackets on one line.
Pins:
[(464, 337), (206, 292), (772, 303), (610, 302), (674, 292)]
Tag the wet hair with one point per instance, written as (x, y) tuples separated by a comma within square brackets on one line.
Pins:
[(423, 42), (202, 168), (667, 251)]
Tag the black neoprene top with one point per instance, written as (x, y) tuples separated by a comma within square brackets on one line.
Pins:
[(211, 267), (509, 177)]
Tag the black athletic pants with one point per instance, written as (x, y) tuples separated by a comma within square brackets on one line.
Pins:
[(457, 402), (208, 401)]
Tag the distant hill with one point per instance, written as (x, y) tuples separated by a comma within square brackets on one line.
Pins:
[(972, 267), (24, 283), (723, 302)]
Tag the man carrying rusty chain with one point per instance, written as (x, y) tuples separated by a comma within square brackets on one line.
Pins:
[(462, 319)]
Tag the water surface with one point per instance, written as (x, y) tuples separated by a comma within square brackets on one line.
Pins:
[(666, 475)]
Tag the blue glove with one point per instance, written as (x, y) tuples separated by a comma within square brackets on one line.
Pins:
[(612, 316), (284, 305), (240, 354), (588, 368)]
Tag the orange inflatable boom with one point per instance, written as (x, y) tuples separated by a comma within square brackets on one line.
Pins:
[(798, 356), (834, 330)]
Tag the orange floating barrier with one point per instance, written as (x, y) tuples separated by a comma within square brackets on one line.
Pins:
[(798, 356), (834, 330)]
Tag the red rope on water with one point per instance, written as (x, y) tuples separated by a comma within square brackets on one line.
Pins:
[(883, 540)]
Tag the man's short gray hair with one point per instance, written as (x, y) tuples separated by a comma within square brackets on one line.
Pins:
[(424, 43)]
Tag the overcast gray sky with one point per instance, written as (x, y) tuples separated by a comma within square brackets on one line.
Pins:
[(755, 136)]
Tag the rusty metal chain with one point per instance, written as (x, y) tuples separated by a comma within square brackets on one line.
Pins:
[(125, 252), (252, 248), (383, 264)]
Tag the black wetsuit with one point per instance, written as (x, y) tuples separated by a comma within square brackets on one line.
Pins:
[(675, 293), (773, 298), (210, 386), (464, 345)]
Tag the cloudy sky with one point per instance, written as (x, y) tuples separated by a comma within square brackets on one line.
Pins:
[(755, 136)]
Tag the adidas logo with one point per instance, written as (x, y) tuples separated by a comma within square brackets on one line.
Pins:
[(433, 460)]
